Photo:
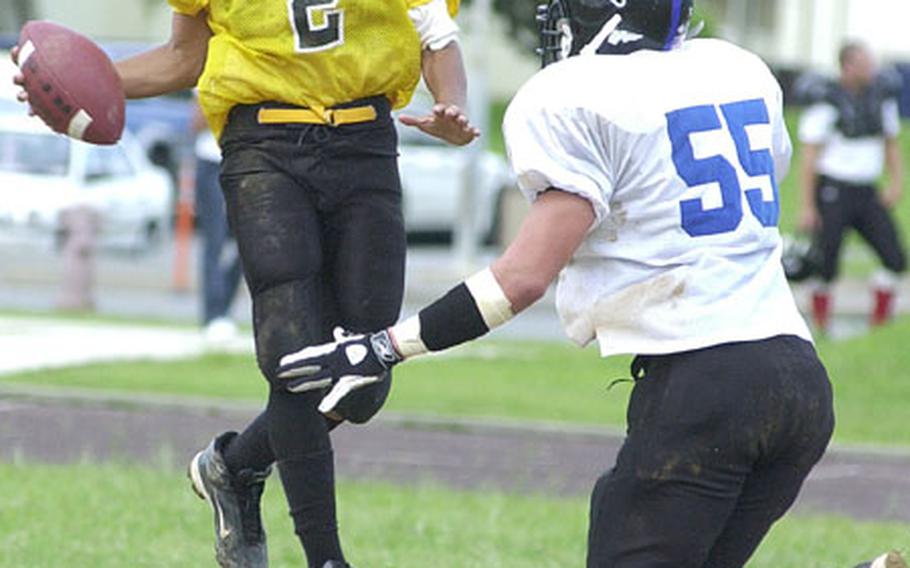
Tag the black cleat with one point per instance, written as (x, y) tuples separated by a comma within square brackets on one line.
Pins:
[(239, 537), (336, 564)]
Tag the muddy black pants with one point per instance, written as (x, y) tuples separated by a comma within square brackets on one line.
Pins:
[(719, 442), (316, 212)]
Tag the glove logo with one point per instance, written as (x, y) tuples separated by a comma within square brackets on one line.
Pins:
[(356, 353), (382, 346)]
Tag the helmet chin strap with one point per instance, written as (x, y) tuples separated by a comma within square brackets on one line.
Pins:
[(607, 29)]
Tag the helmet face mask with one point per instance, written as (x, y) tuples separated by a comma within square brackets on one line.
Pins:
[(567, 27), (555, 32), (801, 258)]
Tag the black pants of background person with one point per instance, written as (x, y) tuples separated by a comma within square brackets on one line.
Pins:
[(842, 206), (221, 271), (719, 443), (316, 211)]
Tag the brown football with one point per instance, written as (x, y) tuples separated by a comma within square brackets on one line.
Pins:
[(71, 83)]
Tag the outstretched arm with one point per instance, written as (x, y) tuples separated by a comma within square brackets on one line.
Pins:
[(167, 68), (443, 71), (556, 225), (172, 66)]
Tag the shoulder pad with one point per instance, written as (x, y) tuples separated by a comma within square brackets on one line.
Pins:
[(811, 88), (890, 82)]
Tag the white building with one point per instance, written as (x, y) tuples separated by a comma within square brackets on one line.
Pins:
[(801, 33), (133, 20)]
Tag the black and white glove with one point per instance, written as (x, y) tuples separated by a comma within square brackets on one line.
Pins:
[(351, 362)]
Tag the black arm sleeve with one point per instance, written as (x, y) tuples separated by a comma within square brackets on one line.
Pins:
[(451, 320)]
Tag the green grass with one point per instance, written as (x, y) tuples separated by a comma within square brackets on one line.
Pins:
[(115, 516), (532, 381), (871, 386), (526, 380), (495, 141)]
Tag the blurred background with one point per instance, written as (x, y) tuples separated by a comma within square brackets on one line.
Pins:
[(460, 206), (459, 203), (111, 377)]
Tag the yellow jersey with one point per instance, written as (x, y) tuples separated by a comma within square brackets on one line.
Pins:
[(310, 53)]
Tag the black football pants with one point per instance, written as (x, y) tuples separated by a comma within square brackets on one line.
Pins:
[(316, 211), (719, 442), (842, 206)]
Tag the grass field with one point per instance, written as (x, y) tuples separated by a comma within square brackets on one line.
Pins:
[(114, 516), (533, 381), (109, 515)]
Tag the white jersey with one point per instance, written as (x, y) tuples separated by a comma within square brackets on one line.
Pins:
[(858, 160), (679, 154)]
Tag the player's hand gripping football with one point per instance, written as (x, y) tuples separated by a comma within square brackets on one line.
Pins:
[(351, 362), (18, 78), (446, 122)]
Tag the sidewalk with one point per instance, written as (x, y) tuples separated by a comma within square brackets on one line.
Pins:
[(31, 272), (28, 343), (144, 286)]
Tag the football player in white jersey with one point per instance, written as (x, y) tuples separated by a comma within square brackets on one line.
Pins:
[(652, 163)]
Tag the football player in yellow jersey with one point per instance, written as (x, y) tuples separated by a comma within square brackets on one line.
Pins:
[(300, 94)]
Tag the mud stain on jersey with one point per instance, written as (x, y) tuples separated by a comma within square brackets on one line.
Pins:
[(628, 306), (615, 221)]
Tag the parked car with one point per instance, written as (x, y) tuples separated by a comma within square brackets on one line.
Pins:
[(162, 125), (432, 177), (43, 174)]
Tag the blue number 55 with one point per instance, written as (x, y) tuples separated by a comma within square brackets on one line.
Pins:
[(681, 124)]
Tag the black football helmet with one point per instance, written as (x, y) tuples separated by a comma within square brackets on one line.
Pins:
[(801, 257), (610, 26)]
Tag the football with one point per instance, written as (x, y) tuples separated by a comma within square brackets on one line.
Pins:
[(71, 83)]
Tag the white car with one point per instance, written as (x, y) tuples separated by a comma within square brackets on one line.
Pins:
[(43, 173), (432, 174)]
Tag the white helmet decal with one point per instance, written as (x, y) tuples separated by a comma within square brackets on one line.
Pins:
[(608, 28)]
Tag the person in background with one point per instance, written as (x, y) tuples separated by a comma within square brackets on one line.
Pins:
[(221, 271), (849, 136)]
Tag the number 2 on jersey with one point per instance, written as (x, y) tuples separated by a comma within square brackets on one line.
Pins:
[(681, 124), (318, 24)]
